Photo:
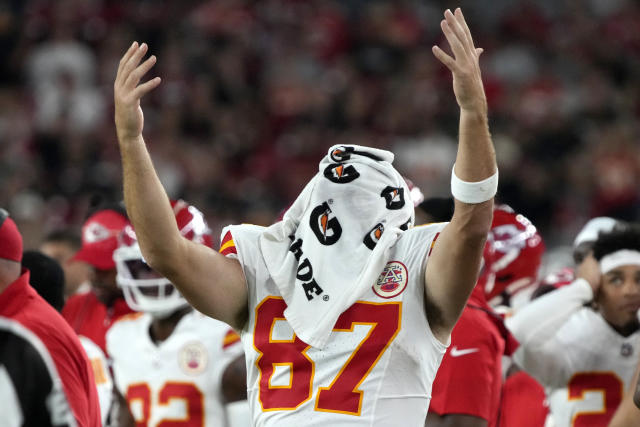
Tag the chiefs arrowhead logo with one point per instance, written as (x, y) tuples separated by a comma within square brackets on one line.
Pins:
[(340, 174), (325, 225), (394, 197), (373, 236), (95, 232)]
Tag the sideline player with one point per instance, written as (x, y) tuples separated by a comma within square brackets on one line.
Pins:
[(92, 313), (524, 401), (62, 245), (355, 353), (467, 390), (169, 361), (581, 341)]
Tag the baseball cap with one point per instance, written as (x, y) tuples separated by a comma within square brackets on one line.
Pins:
[(10, 238), (100, 238), (589, 232)]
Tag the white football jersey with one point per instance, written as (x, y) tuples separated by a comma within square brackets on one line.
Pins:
[(593, 368), (177, 379), (101, 375), (379, 363)]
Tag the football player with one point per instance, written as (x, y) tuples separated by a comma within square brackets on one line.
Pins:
[(513, 261), (468, 389), (92, 313), (375, 364), (581, 341), (524, 401), (171, 362)]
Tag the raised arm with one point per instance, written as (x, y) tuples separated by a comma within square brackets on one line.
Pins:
[(211, 282), (453, 267)]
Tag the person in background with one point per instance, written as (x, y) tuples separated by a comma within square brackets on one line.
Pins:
[(434, 209), (514, 260), (169, 343), (468, 388), (46, 277), (20, 303), (91, 314), (61, 245), (581, 341), (524, 402)]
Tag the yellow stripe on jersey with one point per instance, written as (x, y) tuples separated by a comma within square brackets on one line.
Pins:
[(230, 338), (227, 245)]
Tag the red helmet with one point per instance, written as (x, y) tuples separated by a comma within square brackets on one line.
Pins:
[(563, 277), (143, 288), (512, 256)]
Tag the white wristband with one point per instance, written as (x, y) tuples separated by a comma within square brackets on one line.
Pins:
[(473, 192)]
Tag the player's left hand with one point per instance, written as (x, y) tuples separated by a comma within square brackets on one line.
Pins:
[(464, 65)]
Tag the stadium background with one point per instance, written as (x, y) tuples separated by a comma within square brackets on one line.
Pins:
[(254, 92)]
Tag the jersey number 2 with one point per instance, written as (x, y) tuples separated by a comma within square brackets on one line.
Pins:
[(193, 397), (606, 383), (342, 395)]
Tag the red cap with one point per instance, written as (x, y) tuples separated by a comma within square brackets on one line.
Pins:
[(100, 239), (10, 238)]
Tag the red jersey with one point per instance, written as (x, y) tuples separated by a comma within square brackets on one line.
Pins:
[(91, 318), (21, 303), (469, 380)]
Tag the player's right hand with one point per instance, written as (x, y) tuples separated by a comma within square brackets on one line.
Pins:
[(589, 269), (127, 91), (464, 64)]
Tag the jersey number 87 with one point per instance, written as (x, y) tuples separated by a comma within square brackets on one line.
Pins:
[(342, 395)]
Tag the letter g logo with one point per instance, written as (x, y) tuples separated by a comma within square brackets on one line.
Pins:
[(325, 225)]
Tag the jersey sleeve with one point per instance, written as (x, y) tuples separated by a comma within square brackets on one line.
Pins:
[(536, 327), (469, 378)]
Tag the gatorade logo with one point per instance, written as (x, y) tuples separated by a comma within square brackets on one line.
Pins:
[(373, 236), (394, 197), (340, 174), (341, 154), (325, 225)]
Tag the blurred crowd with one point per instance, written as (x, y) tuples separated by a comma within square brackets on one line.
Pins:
[(254, 92)]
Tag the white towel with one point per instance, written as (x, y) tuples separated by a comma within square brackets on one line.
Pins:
[(333, 242)]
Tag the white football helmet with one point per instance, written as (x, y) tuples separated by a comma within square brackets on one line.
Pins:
[(143, 288)]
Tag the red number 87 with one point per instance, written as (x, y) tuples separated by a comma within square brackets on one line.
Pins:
[(342, 395)]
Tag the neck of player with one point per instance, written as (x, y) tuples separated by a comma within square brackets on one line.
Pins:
[(161, 329)]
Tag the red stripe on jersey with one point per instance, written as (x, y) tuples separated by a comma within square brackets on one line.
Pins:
[(433, 242), (230, 339), (226, 238), (228, 246)]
